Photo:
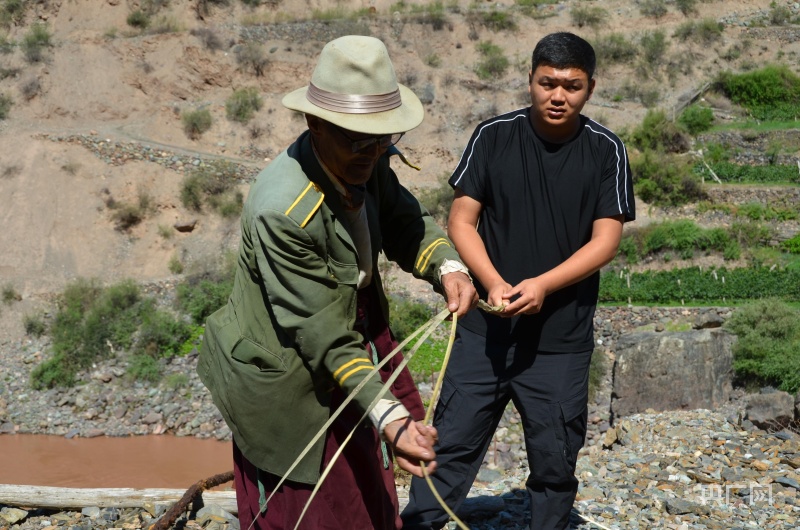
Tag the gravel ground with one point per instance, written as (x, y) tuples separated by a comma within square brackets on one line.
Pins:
[(686, 469)]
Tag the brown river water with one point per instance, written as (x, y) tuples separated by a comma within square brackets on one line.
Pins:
[(106, 462)]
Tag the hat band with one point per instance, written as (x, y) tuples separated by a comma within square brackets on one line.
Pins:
[(353, 104)]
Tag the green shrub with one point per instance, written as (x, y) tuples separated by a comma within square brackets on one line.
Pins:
[(160, 334), (654, 47), (591, 16), (213, 184), (5, 105), (252, 55), (653, 8), (686, 7), (767, 351), (706, 286), (12, 12), (499, 21), (747, 174), (751, 234), (629, 249), (144, 368), (428, 358), (196, 122), (199, 296), (665, 180), (704, 31), (792, 245), (433, 60), (10, 294), (405, 316), (771, 93), (91, 324), (779, 15), (35, 41), (438, 199), (34, 325), (138, 19), (696, 119), (175, 266), (493, 64), (659, 134), (614, 49), (243, 104), (164, 24)]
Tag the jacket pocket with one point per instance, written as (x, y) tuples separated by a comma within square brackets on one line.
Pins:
[(249, 352), (223, 335), (344, 273)]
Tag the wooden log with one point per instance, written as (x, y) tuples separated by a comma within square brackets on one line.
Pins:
[(64, 498)]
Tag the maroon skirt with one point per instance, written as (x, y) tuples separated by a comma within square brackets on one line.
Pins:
[(359, 492)]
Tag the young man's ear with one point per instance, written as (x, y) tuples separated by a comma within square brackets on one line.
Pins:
[(591, 88)]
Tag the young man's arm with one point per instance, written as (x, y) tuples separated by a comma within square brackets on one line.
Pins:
[(601, 249), (462, 227)]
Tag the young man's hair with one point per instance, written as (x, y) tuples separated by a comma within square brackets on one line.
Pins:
[(564, 50)]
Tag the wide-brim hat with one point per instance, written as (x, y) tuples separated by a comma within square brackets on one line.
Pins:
[(355, 87)]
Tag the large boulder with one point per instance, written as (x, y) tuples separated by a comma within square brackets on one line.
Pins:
[(770, 409), (672, 371)]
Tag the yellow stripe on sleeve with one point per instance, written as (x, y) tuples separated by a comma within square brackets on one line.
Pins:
[(351, 372), (351, 363), (425, 259)]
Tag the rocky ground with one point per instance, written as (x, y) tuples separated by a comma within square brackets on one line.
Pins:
[(678, 470)]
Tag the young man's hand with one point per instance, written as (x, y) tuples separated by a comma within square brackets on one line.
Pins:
[(412, 442), (528, 298), (460, 293)]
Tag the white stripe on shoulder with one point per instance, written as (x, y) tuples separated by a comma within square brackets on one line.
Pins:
[(622, 162), (471, 146)]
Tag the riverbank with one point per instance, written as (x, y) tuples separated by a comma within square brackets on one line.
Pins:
[(646, 471)]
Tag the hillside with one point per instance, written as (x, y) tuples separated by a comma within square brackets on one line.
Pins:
[(105, 89)]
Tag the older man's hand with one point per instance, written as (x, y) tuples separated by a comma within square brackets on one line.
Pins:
[(460, 293), (412, 443)]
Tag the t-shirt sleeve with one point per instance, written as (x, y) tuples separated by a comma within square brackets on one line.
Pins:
[(616, 186), (470, 174)]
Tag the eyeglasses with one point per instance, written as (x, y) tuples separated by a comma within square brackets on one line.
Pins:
[(385, 142)]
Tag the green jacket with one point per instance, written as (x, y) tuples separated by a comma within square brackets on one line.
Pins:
[(272, 355)]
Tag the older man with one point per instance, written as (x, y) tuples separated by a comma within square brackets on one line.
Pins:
[(307, 318)]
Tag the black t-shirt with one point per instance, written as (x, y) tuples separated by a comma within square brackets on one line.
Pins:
[(539, 202)]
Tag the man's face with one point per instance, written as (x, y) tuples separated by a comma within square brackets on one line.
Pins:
[(336, 151), (557, 97)]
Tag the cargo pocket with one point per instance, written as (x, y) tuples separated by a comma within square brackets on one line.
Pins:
[(547, 445), (574, 412)]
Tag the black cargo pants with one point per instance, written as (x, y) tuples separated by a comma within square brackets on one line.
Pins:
[(550, 392)]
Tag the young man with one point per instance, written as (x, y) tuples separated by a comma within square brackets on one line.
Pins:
[(540, 198), (307, 318)]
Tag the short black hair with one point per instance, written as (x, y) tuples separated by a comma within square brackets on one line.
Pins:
[(564, 50)]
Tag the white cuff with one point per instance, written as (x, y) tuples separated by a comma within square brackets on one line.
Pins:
[(450, 265), (385, 412)]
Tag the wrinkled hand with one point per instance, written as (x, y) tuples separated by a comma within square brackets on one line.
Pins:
[(531, 293), (460, 293), (412, 442)]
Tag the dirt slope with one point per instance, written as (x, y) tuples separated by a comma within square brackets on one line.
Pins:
[(105, 80)]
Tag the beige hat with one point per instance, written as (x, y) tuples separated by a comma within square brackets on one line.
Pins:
[(354, 86)]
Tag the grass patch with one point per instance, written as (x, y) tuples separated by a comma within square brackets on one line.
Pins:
[(213, 185), (665, 179), (590, 16), (768, 349), (5, 105), (771, 93), (34, 325), (10, 294), (493, 63), (127, 215), (201, 295), (242, 105), (196, 122), (93, 323), (35, 42)]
